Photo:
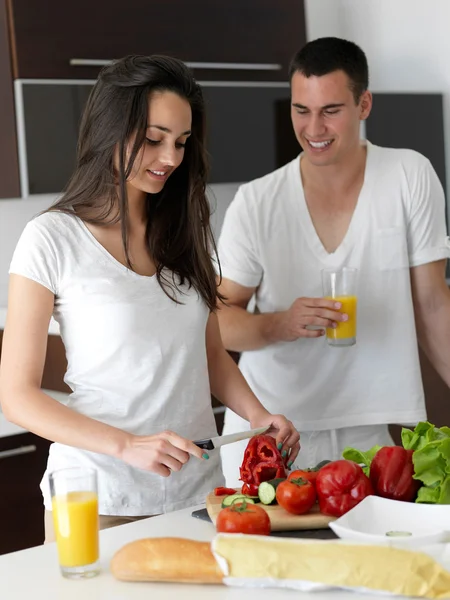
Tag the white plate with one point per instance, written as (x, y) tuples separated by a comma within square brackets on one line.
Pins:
[(371, 519)]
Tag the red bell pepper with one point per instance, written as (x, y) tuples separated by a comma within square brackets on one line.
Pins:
[(262, 461), (340, 486), (250, 489), (391, 474), (224, 491)]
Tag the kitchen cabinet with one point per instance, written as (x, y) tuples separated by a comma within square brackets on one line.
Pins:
[(240, 42), (246, 131), (9, 180), (238, 39), (23, 459)]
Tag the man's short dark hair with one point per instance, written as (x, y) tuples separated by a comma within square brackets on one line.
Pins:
[(329, 54)]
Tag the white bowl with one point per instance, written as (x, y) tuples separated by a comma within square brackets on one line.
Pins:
[(374, 517)]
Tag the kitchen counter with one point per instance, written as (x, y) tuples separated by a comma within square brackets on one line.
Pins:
[(34, 572)]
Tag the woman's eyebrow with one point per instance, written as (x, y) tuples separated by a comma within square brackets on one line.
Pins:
[(167, 130)]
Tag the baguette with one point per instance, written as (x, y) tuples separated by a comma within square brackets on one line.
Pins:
[(166, 559)]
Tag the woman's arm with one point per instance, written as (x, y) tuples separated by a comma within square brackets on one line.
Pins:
[(230, 387), (30, 306)]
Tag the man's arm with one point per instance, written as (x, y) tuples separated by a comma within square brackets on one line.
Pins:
[(241, 330), (431, 297)]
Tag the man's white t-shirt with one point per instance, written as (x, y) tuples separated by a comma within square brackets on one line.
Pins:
[(136, 361), (268, 241)]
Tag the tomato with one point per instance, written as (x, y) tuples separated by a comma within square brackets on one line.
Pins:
[(224, 491), (297, 496), (307, 474), (250, 489), (243, 517)]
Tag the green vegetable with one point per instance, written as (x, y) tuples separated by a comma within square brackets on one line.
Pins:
[(431, 460), (398, 533), (364, 459), (232, 498), (267, 490)]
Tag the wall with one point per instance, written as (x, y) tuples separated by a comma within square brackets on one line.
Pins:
[(407, 43)]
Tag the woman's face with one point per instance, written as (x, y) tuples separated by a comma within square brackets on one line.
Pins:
[(168, 127)]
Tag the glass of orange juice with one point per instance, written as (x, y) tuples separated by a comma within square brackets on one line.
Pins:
[(75, 517), (340, 285)]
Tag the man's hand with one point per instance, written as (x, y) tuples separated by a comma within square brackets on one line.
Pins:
[(294, 323)]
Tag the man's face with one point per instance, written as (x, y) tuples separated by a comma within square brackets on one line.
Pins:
[(325, 117)]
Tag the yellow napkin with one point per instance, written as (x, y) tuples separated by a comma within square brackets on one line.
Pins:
[(283, 562)]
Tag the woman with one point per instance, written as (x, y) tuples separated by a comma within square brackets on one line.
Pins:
[(123, 263)]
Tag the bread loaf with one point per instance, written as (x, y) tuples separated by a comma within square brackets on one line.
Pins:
[(166, 559)]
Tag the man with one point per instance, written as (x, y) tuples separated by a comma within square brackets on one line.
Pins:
[(342, 202)]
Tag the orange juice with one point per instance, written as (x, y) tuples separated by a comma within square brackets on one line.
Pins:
[(344, 329), (75, 516)]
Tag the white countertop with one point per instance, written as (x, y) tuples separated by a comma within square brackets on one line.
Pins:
[(34, 573)]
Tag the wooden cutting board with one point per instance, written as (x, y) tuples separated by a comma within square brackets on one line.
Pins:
[(280, 519)]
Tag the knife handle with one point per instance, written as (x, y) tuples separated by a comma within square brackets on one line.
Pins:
[(204, 444)]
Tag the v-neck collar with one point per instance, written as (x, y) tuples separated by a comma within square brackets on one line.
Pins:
[(357, 221)]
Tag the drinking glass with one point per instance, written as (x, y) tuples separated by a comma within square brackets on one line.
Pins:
[(75, 517), (340, 285)]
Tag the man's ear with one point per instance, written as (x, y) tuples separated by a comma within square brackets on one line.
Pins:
[(365, 105)]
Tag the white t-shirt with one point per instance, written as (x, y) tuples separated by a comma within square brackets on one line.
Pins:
[(136, 361), (268, 241)]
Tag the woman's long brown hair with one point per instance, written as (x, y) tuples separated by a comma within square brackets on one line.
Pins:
[(178, 232)]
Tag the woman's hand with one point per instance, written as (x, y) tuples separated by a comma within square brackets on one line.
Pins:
[(161, 453), (283, 430)]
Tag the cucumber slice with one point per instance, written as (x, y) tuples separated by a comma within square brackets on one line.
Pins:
[(398, 533), (229, 500), (267, 490)]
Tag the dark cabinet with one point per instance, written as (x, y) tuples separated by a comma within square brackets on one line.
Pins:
[(23, 459), (54, 39), (246, 128), (9, 167), (55, 43)]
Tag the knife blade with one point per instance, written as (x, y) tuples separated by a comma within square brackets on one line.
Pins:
[(221, 440)]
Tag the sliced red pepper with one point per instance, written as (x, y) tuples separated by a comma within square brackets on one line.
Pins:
[(250, 489), (391, 474), (262, 461), (224, 491)]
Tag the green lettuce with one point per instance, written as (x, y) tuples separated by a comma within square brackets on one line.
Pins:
[(364, 459), (431, 460)]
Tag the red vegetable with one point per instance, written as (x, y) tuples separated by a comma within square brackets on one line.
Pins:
[(307, 474), (262, 461), (297, 496), (391, 474), (243, 517), (250, 489), (341, 485), (224, 491)]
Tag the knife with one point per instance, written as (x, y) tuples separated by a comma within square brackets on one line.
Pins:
[(221, 440)]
